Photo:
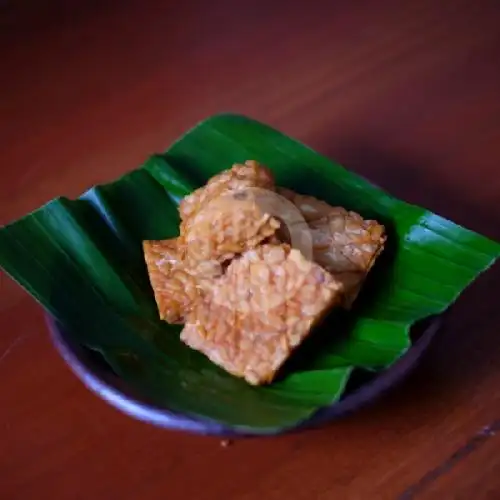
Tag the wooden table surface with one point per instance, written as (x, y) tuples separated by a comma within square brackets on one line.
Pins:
[(405, 93)]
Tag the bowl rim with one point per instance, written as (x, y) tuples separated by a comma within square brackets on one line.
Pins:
[(116, 392)]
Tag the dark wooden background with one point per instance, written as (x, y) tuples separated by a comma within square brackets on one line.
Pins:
[(406, 93)]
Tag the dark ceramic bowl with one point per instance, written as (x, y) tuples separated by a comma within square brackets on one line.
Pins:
[(362, 390)]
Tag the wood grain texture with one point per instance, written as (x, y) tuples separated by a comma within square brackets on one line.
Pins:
[(405, 93)]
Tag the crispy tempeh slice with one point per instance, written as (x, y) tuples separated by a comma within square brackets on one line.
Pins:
[(227, 226), (262, 308), (251, 174), (176, 286), (344, 243)]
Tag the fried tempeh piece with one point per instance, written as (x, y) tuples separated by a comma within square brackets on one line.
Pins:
[(176, 286), (224, 217), (262, 308), (251, 174), (344, 243), (227, 226)]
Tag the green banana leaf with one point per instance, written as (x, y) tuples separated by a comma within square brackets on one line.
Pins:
[(82, 260)]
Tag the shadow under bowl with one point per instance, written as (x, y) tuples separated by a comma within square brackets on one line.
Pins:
[(363, 389)]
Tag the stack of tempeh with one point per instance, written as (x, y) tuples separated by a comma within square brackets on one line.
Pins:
[(245, 293)]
